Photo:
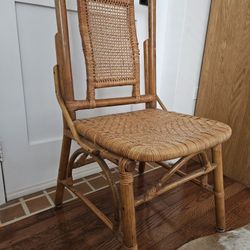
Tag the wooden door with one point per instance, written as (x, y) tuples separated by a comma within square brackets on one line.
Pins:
[(224, 92)]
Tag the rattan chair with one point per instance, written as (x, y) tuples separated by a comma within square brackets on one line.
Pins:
[(129, 140)]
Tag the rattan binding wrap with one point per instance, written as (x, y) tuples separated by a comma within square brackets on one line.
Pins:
[(152, 134), (110, 44)]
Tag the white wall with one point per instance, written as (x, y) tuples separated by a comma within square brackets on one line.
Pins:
[(181, 28)]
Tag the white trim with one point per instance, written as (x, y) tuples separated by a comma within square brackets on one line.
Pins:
[(51, 183), (2, 198)]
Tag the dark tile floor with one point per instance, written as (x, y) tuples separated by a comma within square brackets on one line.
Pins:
[(29, 205)]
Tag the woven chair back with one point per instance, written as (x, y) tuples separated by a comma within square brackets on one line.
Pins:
[(110, 47), (110, 44)]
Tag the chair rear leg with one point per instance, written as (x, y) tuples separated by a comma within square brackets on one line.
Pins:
[(141, 167), (62, 172), (219, 189), (128, 211)]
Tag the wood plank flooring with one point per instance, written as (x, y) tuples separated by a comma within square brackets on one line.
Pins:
[(165, 223)]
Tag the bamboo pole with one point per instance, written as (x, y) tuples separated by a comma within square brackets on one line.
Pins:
[(157, 190), (219, 189), (152, 51), (127, 207)]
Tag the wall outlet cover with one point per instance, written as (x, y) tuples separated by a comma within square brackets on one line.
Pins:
[(144, 2)]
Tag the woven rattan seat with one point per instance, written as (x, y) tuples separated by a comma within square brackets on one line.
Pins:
[(153, 134)]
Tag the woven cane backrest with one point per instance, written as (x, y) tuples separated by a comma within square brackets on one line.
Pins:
[(110, 44)]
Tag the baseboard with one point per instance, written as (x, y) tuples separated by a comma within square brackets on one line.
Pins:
[(91, 169)]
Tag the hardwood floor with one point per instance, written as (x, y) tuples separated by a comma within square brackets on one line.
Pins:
[(167, 222)]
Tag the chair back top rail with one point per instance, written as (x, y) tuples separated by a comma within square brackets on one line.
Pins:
[(110, 47)]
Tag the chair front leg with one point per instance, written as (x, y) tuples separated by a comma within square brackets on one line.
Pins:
[(128, 210), (219, 189), (62, 172)]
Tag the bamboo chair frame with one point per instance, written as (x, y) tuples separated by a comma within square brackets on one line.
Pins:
[(123, 223)]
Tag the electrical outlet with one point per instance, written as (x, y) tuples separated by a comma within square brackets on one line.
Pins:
[(144, 2)]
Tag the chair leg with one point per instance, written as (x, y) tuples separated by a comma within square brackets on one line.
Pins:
[(128, 211), (62, 172), (219, 189), (141, 167)]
